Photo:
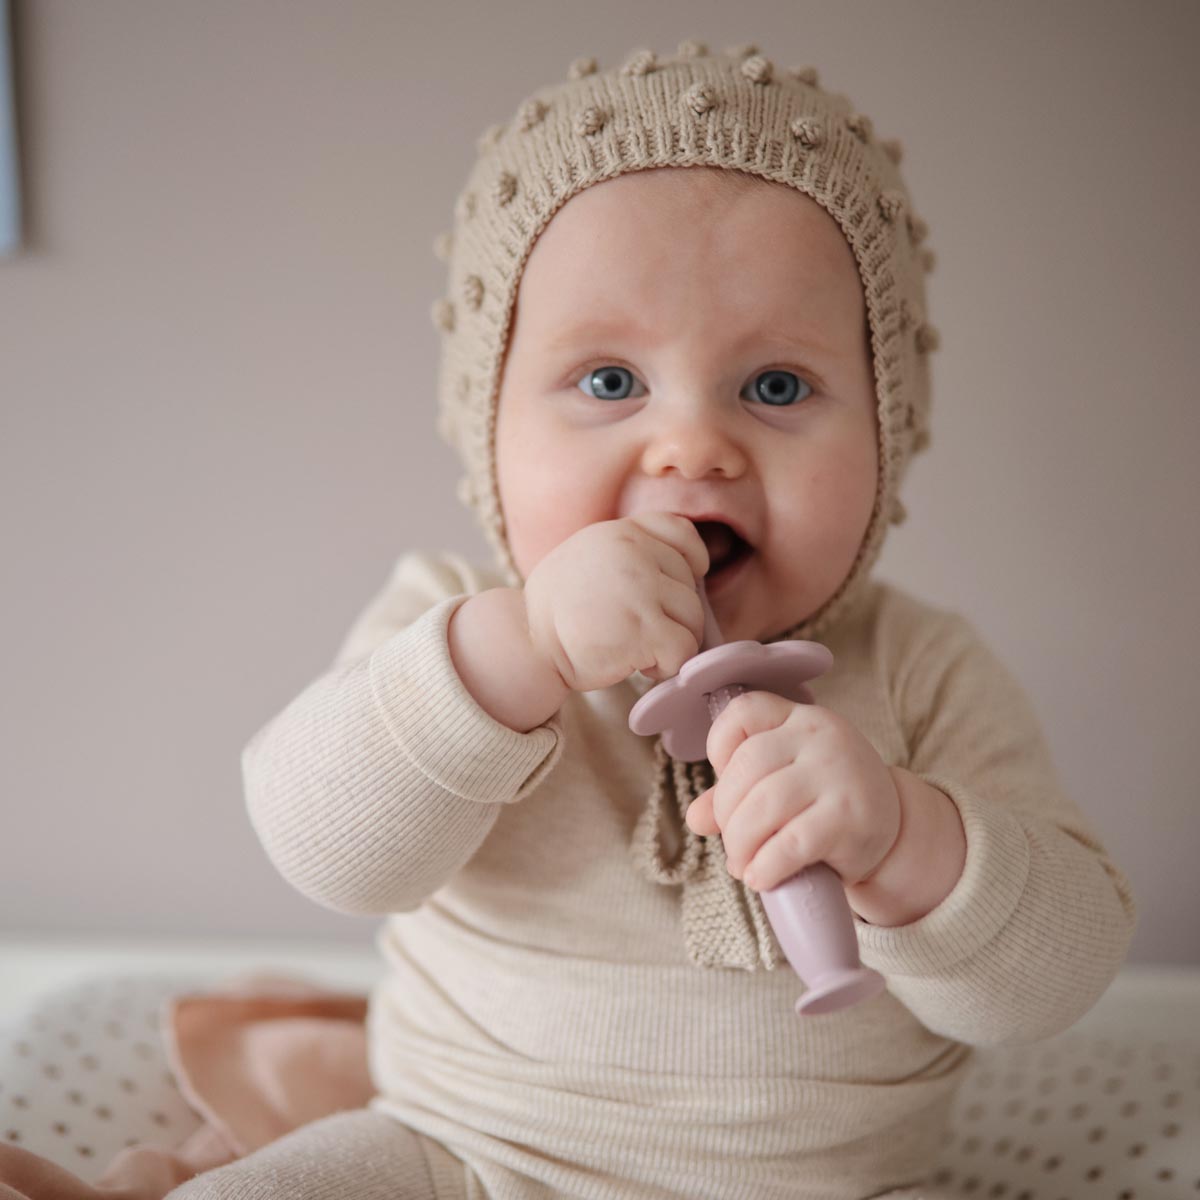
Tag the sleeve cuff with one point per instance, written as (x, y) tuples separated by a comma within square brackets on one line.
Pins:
[(442, 728), (979, 906)]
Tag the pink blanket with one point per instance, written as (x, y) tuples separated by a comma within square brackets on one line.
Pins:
[(255, 1058)]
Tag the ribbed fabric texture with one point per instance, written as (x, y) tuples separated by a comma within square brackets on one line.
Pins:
[(350, 1156), (540, 1019)]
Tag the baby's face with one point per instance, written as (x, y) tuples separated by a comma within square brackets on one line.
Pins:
[(685, 348)]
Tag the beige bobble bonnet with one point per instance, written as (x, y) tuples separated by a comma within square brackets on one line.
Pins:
[(740, 111)]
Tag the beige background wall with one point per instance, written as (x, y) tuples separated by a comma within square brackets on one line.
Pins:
[(217, 377)]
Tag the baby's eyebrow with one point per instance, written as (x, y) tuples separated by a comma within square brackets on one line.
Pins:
[(594, 329)]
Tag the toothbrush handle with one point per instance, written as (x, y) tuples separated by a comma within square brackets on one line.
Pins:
[(811, 918)]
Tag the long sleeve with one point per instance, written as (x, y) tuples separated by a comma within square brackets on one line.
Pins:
[(1041, 918), (384, 776)]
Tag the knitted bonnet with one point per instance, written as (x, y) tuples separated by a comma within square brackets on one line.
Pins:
[(739, 111)]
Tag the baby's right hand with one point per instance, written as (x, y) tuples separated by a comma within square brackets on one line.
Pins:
[(617, 597)]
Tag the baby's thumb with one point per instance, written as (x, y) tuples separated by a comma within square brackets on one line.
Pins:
[(699, 815)]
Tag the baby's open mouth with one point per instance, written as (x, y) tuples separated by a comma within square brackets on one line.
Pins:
[(725, 547)]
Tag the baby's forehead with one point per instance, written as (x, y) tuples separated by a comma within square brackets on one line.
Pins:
[(735, 220), (686, 195), (694, 239)]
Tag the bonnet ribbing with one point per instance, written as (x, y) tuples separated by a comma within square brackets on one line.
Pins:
[(738, 111)]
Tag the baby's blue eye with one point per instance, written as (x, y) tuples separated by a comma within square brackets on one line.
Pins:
[(778, 388), (609, 383)]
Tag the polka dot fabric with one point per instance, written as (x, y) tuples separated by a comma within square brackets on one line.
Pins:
[(83, 1074), (1078, 1116)]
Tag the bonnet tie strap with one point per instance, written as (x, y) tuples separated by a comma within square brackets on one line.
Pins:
[(724, 924)]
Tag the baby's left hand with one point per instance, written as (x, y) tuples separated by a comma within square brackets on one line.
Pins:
[(797, 784)]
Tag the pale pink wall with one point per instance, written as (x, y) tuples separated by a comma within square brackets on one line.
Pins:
[(217, 378)]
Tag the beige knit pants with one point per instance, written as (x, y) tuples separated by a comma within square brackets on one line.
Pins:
[(356, 1155), (364, 1155)]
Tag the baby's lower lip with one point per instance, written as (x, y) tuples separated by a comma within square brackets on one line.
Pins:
[(718, 581)]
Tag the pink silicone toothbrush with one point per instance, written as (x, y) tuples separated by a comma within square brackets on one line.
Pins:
[(809, 912)]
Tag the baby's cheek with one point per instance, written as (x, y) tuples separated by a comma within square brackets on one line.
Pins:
[(541, 517), (549, 488), (841, 493), (529, 493)]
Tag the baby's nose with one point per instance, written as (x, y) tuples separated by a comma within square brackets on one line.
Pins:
[(694, 446)]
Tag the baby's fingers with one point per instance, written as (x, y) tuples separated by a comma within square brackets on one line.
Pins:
[(672, 629), (812, 837), (677, 539), (699, 815), (681, 602), (670, 645)]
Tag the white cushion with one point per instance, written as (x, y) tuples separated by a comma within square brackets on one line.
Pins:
[(1079, 1115), (83, 1073)]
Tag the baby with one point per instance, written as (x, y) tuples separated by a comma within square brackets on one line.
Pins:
[(684, 340)]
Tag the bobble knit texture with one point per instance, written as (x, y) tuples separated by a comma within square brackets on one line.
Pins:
[(736, 110)]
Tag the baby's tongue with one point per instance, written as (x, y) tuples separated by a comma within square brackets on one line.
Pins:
[(718, 540)]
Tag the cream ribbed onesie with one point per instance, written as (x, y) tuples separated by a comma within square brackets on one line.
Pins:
[(540, 1023)]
